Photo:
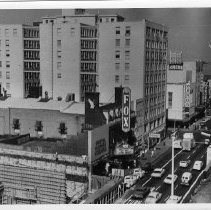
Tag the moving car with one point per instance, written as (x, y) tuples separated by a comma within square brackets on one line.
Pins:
[(184, 163), (207, 141), (198, 165), (141, 193), (138, 172), (174, 199), (158, 172), (168, 179), (130, 180), (186, 178), (178, 144), (153, 197)]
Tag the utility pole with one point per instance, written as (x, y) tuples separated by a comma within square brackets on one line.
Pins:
[(172, 168)]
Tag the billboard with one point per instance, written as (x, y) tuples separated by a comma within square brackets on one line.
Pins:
[(126, 96), (175, 61), (124, 149), (98, 143), (187, 95)]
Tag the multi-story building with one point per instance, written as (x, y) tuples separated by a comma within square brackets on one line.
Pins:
[(68, 58), (19, 49), (183, 82)]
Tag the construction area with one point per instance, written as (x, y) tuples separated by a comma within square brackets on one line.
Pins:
[(29, 177)]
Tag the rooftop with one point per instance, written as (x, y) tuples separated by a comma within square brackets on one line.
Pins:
[(31, 103)]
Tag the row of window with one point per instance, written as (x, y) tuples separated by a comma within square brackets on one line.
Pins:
[(127, 31), (89, 67), (88, 88), (154, 100), (31, 44), (154, 124), (155, 78), (156, 45), (31, 66), (156, 55), (118, 54), (28, 85), (31, 75), (7, 32), (7, 64), (88, 44), (155, 66), (126, 79), (7, 53), (89, 78), (155, 89), (156, 32), (88, 33), (88, 55), (30, 33), (31, 55), (154, 113), (7, 74), (118, 42), (126, 66)]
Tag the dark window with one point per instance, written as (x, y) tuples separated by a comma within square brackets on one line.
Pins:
[(38, 126)]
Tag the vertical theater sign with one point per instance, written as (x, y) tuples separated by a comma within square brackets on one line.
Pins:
[(126, 99)]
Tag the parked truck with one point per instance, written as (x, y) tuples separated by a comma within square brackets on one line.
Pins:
[(188, 141)]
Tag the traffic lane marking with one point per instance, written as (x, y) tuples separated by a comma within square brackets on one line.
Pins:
[(147, 181), (158, 187), (171, 159)]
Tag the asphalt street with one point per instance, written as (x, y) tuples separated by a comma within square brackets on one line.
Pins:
[(197, 153)]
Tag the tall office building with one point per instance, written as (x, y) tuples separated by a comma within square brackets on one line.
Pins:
[(19, 59), (82, 52)]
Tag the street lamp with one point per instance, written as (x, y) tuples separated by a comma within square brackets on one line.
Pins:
[(173, 137)]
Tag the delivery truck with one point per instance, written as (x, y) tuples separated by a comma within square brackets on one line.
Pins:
[(188, 141)]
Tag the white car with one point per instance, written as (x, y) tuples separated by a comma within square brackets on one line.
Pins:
[(198, 165), (153, 197), (168, 179), (138, 172), (174, 199), (184, 163), (206, 141), (158, 172)]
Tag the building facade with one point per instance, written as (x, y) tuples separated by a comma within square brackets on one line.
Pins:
[(183, 82), (19, 59)]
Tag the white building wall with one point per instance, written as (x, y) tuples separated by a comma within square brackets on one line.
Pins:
[(13, 83)]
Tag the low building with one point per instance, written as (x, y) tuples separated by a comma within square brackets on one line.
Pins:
[(49, 119)]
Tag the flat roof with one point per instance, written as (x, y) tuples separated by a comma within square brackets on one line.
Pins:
[(31, 103)]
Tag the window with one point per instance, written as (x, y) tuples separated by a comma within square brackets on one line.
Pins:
[(7, 43), (7, 53), (62, 128), (38, 126), (7, 64), (0, 63), (127, 78), (59, 65), (112, 19), (59, 43), (117, 66), (127, 31), (116, 78), (117, 43), (6, 32), (15, 32), (16, 124), (0, 74), (59, 54), (127, 42), (127, 66), (170, 97), (72, 31), (118, 54), (117, 30), (127, 55), (59, 75), (7, 75), (58, 31), (7, 86)]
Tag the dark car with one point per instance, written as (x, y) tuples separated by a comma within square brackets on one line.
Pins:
[(147, 167), (141, 193)]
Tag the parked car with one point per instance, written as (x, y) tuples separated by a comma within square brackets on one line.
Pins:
[(174, 199), (198, 165), (168, 179), (139, 172), (184, 163), (153, 197), (130, 180), (186, 178), (158, 172), (141, 193)]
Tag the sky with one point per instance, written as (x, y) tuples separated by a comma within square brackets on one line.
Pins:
[(189, 28)]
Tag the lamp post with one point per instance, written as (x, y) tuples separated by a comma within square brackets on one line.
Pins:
[(173, 137)]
